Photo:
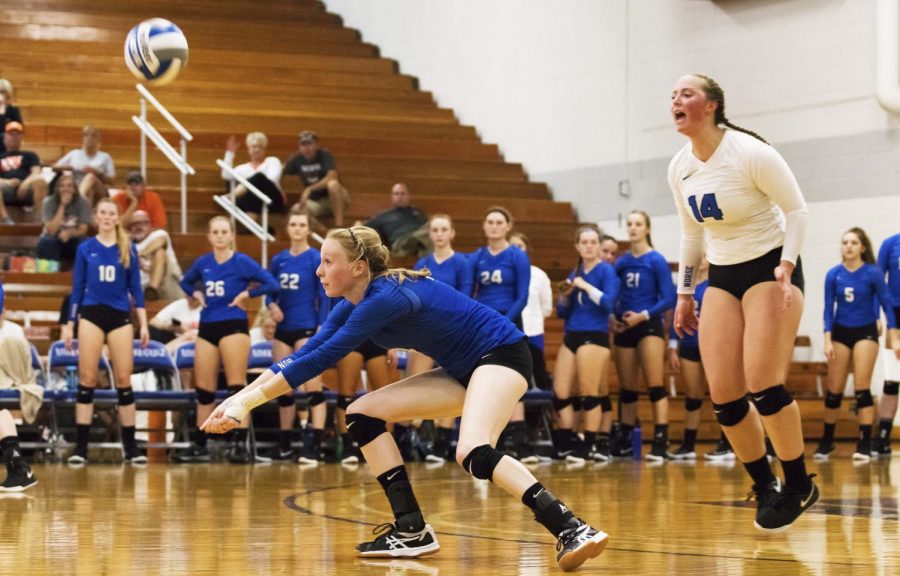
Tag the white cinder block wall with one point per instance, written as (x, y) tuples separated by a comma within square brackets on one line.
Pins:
[(578, 91)]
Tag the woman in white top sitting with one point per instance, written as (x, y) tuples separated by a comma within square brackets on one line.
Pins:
[(262, 171)]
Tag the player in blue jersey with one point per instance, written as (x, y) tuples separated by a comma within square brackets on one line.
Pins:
[(889, 264), (586, 298), (19, 476), (453, 269), (646, 291), (502, 275), (107, 271), (853, 290), (220, 280), (485, 370), (299, 308)]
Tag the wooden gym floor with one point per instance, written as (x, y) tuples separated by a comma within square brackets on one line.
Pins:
[(284, 519)]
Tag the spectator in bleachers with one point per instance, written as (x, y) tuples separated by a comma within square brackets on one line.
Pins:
[(403, 228), (160, 271), (8, 112), (94, 170), (20, 173), (135, 197), (322, 192), (262, 171), (177, 323), (66, 216)]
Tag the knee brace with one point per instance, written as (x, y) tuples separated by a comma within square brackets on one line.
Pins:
[(286, 400), (628, 396), (864, 399), (85, 395), (833, 400), (126, 396), (657, 393), (481, 461), (589, 402), (692, 404), (771, 400), (234, 389), (363, 429), (205, 397), (316, 398), (891, 388), (576, 403), (560, 403), (605, 404), (344, 401), (731, 413)]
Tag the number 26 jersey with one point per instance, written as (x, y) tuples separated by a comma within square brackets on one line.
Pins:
[(221, 283)]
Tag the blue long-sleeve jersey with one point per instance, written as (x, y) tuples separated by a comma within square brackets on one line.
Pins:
[(852, 298), (501, 281), (455, 271), (889, 263), (645, 283), (301, 295), (220, 283), (99, 278), (581, 314), (423, 314), (692, 340)]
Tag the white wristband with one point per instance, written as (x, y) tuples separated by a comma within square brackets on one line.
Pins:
[(595, 294), (242, 404), (646, 315), (673, 344)]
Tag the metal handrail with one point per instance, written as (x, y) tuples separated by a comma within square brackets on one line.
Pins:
[(148, 131), (260, 230)]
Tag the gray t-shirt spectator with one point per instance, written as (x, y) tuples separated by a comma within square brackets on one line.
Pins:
[(311, 171), (397, 222), (77, 212), (79, 160)]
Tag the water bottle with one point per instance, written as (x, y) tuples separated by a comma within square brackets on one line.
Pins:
[(636, 441), (72, 378)]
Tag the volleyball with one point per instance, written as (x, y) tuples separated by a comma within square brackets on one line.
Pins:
[(155, 51)]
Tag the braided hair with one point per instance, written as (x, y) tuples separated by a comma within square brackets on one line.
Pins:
[(715, 93)]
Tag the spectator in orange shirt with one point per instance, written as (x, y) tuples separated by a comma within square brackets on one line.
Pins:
[(137, 197)]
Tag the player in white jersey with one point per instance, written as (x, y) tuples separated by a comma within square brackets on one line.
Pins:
[(737, 195)]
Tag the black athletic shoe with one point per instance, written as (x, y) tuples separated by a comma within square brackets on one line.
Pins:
[(191, 454), (578, 544), (825, 448), (784, 507), (275, 453), (881, 448), (78, 457), (602, 451), (621, 447), (683, 453), (390, 542), (309, 456), (863, 451), (721, 453), (134, 455), (658, 451), (19, 477), (764, 495), (238, 454)]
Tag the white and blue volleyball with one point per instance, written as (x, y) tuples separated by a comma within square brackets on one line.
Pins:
[(156, 51)]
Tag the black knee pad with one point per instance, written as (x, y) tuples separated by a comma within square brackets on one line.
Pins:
[(628, 396), (344, 401), (481, 461), (234, 389), (605, 404), (731, 413), (560, 403), (864, 399), (833, 400), (126, 396), (692, 404), (85, 395), (363, 429), (891, 388), (657, 393), (576, 403), (205, 397), (286, 400), (589, 402), (316, 398), (771, 400)]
